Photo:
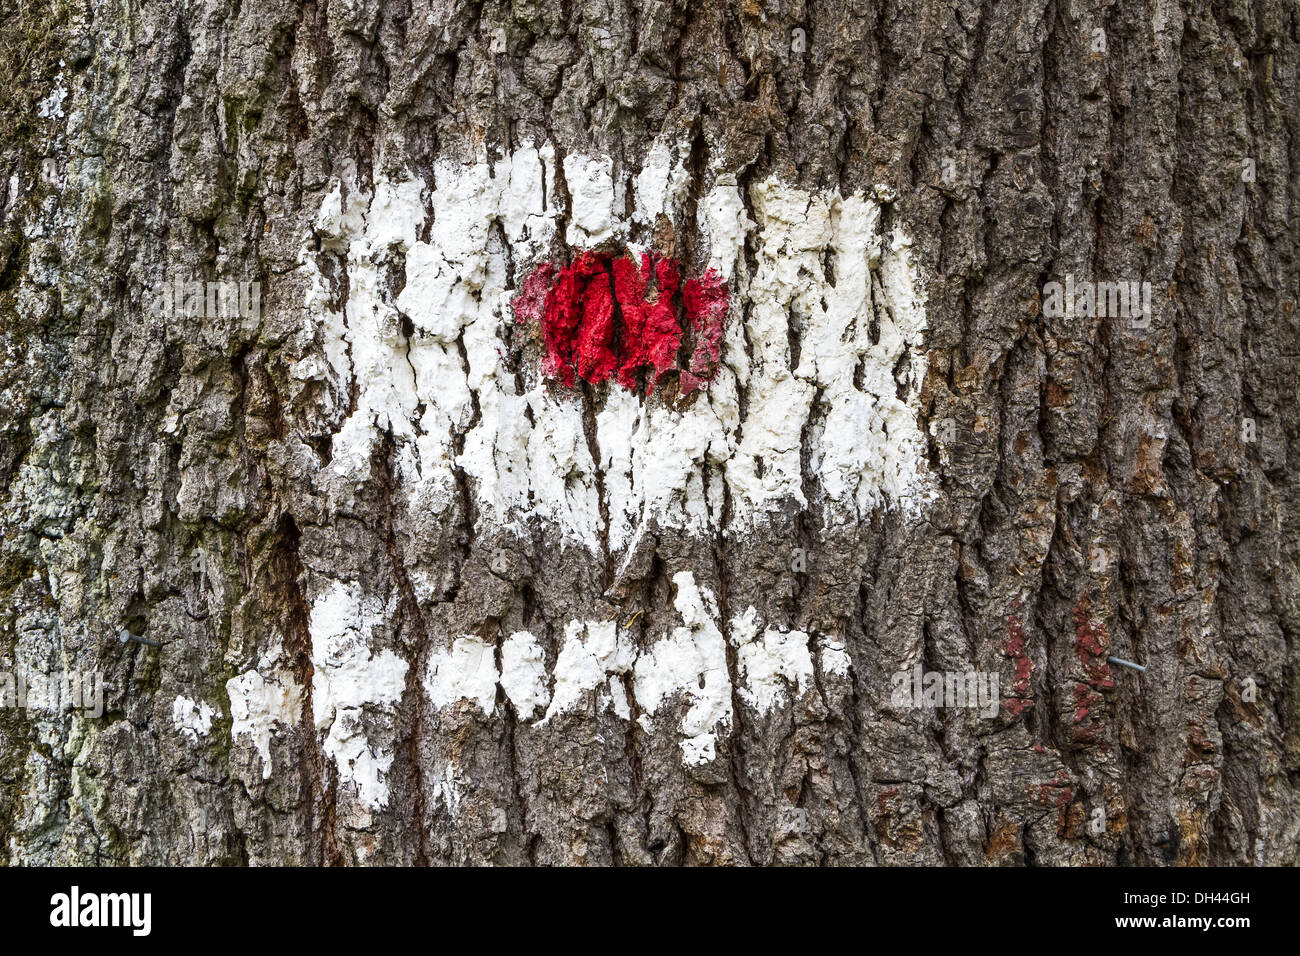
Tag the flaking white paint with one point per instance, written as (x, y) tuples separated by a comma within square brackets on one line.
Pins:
[(592, 651), (835, 659), (467, 671), (692, 662), (193, 718), (352, 686), (663, 183), (523, 674), (263, 700), (770, 664), (598, 660), (590, 180)]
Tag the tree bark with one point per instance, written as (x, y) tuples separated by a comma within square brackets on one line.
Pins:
[(418, 602)]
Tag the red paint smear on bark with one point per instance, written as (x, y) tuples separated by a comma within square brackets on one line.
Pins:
[(1085, 698), (706, 301), (1015, 649), (1090, 643), (605, 317), (1058, 792), (531, 299), (1016, 705)]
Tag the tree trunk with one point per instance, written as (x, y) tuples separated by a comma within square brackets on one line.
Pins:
[(383, 556)]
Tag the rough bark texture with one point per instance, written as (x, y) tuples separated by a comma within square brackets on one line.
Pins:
[(1094, 497)]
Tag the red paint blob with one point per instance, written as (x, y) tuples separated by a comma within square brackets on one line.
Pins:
[(605, 317), (1090, 644), (1015, 649)]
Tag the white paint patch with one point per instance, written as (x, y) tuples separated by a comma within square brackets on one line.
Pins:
[(723, 217), (446, 791), (835, 659), (692, 661), (770, 663), (656, 461), (663, 183), (592, 219), (592, 652), (866, 449), (193, 718), (523, 674), (262, 701), (352, 682), (467, 671), (598, 659), (821, 260)]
